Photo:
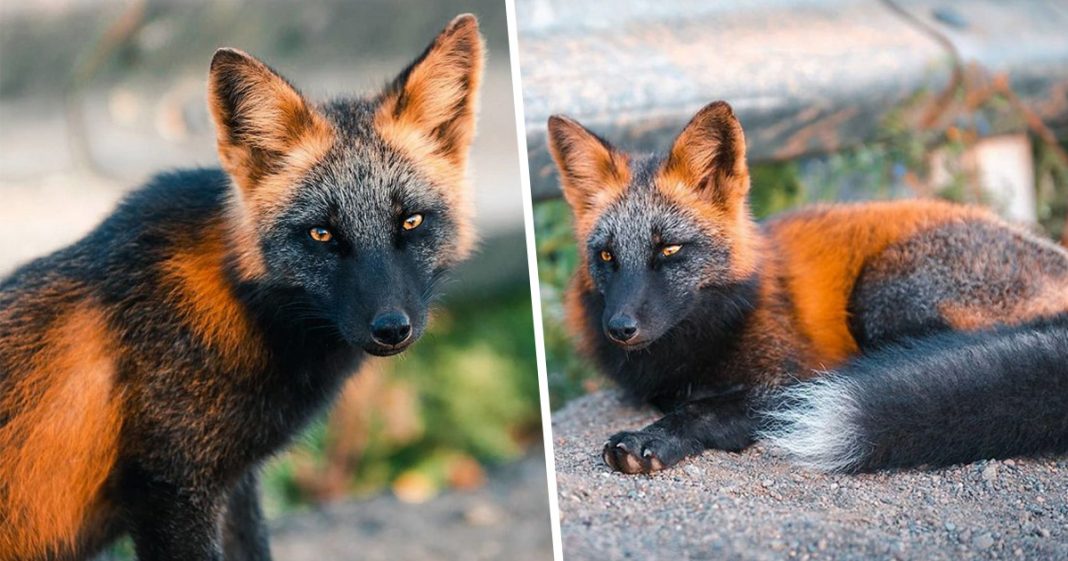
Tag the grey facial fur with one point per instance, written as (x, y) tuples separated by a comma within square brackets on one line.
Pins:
[(634, 230)]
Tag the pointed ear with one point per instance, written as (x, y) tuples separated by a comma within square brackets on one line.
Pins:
[(709, 156), (262, 122), (430, 107), (591, 170)]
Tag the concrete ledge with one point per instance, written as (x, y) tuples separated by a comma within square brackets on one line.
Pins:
[(756, 506), (805, 76)]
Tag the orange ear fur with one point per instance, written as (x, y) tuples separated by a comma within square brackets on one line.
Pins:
[(263, 123), (708, 156), (592, 172), (429, 109)]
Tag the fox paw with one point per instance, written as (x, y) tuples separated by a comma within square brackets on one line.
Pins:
[(640, 452)]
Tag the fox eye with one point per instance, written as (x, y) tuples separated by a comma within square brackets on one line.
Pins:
[(606, 255), (320, 234), (412, 222), (669, 250)]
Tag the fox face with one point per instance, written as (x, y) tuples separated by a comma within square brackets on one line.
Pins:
[(356, 207), (660, 234)]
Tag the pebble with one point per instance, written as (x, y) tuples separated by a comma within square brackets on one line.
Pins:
[(767, 483), (984, 541), (990, 472), (950, 526)]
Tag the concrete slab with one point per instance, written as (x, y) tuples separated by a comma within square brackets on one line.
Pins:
[(804, 76)]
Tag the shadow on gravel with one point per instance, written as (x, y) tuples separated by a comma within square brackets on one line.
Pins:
[(754, 505)]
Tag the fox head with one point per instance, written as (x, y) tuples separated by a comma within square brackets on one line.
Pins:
[(354, 207), (657, 233)]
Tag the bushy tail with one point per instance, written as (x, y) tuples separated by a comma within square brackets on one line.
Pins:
[(940, 400)]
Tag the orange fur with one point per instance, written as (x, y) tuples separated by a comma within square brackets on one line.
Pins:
[(708, 157), (268, 137), (593, 175), (824, 249), (430, 117), (60, 446), (207, 304), (706, 172)]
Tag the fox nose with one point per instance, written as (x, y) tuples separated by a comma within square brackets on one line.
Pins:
[(391, 328), (622, 328)]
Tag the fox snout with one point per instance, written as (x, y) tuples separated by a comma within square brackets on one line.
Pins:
[(392, 329), (621, 328)]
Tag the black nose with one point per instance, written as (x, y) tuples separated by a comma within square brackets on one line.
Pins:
[(391, 328), (622, 328)]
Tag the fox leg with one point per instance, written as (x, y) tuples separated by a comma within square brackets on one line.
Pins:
[(169, 522), (723, 422), (244, 534)]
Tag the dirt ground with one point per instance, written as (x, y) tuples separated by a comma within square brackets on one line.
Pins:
[(505, 519), (754, 505)]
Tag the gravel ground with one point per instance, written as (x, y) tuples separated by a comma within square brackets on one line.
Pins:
[(754, 505), (508, 518)]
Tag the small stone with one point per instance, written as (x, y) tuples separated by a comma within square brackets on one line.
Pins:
[(767, 483), (990, 472), (983, 541), (483, 514), (1044, 532), (951, 526), (1009, 463), (692, 470)]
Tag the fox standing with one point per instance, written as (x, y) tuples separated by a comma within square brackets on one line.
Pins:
[(146, 370), (855, 337)]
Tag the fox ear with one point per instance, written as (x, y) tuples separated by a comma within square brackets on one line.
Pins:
[(709, 156), (591, 170), (430, 107), (262, 121)]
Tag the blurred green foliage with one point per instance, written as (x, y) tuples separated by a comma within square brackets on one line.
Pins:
[(473, 385)]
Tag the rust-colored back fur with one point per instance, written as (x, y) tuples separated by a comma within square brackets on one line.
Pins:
[(61, 438), (824, 249)]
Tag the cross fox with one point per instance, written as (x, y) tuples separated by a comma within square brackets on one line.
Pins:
[(854, 337), (146, 370)]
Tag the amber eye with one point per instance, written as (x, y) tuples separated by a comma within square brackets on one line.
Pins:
[(606, 255), (412, 222), (670, 250), (320, 234)]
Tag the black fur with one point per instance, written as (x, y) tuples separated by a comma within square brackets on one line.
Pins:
[(687, 362), (955, 397), (704, 404), (182, 467)]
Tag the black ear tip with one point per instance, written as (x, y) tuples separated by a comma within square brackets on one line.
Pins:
[(463, 21), (228, 56), (719, 108), (558, 121)]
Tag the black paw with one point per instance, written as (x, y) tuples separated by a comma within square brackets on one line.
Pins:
[(642, 452)]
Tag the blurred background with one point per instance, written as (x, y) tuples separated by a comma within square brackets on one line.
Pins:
[(841, 100), (95, 96)]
